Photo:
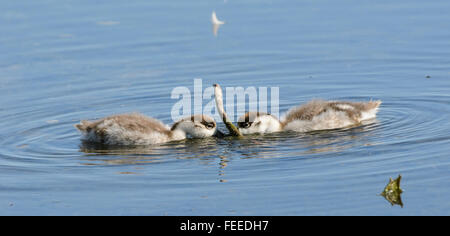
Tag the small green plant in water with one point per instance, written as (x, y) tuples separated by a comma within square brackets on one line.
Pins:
[(392, 192)]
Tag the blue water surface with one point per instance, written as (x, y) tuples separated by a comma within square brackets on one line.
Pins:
[(64, 61)]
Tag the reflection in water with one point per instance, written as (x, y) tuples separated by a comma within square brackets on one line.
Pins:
[(211, 150), (302, 144), (223, 164), (215, 29), (392, 192), (204, 150), (339, 139), (122, 155), (98, 154), (221, 152)]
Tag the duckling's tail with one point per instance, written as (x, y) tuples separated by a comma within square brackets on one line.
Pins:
[(374, 104), (83, 126), (370, 111)]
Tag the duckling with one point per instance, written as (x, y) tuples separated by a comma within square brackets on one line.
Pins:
[(137, 129), (315, 115)]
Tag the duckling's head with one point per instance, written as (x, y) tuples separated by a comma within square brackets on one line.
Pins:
[(258, 123), (196, 126)]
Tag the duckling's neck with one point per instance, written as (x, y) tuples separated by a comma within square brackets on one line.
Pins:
[(178, 134), (273, 125), (178, 131)]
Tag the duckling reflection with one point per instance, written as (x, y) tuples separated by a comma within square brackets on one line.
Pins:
[(205, 151), (101, 154), (338, 139), (326, 141)]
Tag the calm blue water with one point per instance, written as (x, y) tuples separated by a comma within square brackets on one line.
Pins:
[(63, 61)]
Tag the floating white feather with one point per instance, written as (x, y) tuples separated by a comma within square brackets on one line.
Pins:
[(214, 19)]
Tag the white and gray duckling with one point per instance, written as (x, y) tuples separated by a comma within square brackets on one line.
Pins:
[(315, 115), (137, 129)]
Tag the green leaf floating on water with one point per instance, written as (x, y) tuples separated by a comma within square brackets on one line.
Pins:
[(392, 192), (219, 104)]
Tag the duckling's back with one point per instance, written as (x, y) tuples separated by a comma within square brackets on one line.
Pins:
[(322, 115), (126, 129)]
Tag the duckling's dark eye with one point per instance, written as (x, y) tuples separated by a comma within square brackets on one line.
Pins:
[(244, 125), (210, 125)]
